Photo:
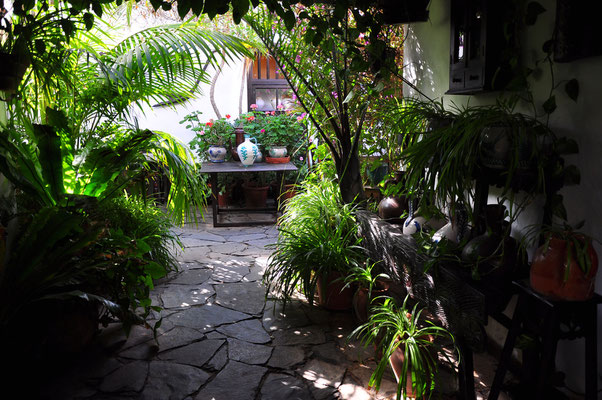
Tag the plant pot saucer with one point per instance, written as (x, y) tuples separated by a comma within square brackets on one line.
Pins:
[(279, 160)]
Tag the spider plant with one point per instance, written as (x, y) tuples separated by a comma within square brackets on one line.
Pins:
[(317, 235), (397, 330)]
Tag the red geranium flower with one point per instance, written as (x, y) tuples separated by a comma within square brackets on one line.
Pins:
[(209, 124)]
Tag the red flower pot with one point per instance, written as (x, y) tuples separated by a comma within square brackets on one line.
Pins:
[(548, 272), (331, 294)]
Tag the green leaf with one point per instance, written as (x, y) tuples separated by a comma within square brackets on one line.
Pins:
[(534, 9), (548, 46), (40, 46), (49, 155), (571, 175), (240, 9), (289, 19), (549, 106), (572, 89), (565, 145), (197, 7), (97, 8), (155, 270), (184, 7)]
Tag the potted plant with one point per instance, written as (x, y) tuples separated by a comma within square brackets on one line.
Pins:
[(317, 245), (281, 133), (211, 136), (406, 341), (565, 265), (256, 191), (369, 286)]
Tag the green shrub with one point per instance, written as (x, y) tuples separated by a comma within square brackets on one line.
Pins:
[(318, 235)]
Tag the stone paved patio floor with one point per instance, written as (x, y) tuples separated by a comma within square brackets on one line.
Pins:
[(220, 339)]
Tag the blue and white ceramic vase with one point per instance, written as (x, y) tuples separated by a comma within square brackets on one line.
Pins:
[(217, 153), (278, 151), (247, 151), (259, 157)]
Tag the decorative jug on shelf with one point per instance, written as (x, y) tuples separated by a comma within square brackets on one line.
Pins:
[(247, 151)]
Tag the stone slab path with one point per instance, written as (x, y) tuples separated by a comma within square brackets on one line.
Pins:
[(221, 339)]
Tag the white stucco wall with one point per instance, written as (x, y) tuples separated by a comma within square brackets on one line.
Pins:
[(227, 95), (426, 55)]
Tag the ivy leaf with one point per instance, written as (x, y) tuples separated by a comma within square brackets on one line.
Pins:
[(550, 105), (88, 21), (571, 175), (183, 7), (557, 206), (67, 27), (197, 6), (548, 46), (40, 46), (317, 39), (572, 89), (289, 19), (240, 8), (97, 8), (533, 10), (565, 145), (156, 4)]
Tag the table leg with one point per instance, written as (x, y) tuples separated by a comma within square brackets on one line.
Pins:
[(280, 179), (506, 355), (548, 352), (466, 371), (591, 352), (214, 194)]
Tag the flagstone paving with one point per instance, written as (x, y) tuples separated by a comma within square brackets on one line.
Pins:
[(221, 339)]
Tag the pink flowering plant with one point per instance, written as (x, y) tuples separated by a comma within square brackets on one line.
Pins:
[(213, 132), (275, 128)]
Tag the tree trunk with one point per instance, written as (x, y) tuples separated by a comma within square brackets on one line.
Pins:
[(350, 181), (212, 90)]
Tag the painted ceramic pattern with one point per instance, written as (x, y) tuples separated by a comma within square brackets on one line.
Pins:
[(247, 152), (217, 154), (278, 151)]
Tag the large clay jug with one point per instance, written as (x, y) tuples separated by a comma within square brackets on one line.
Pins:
[(247, 151)]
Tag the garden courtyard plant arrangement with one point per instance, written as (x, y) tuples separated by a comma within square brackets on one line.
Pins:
[(212, 137), (280, 133), (318, 243), (408, 342)]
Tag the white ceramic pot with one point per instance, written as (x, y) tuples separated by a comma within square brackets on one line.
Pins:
[(413, 225), (278, 151), (448, 231), (217, 153), (247, 152)]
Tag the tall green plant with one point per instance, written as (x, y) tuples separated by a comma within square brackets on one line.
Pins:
[(391, 328), (331, 89), (317, 235)]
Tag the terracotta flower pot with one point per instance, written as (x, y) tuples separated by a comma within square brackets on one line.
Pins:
[(361, 300), (331, 294), (397, 360), (548, 272), (255, 196)]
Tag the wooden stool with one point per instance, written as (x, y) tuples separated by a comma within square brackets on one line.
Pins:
[(579, 316)]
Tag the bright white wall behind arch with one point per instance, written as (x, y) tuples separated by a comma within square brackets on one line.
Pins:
[(227, 95)]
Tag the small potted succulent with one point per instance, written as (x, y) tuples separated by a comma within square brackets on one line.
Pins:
[(406, 341), (211, 136)]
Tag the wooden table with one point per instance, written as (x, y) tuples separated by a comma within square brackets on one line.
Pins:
[(236, 167)]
